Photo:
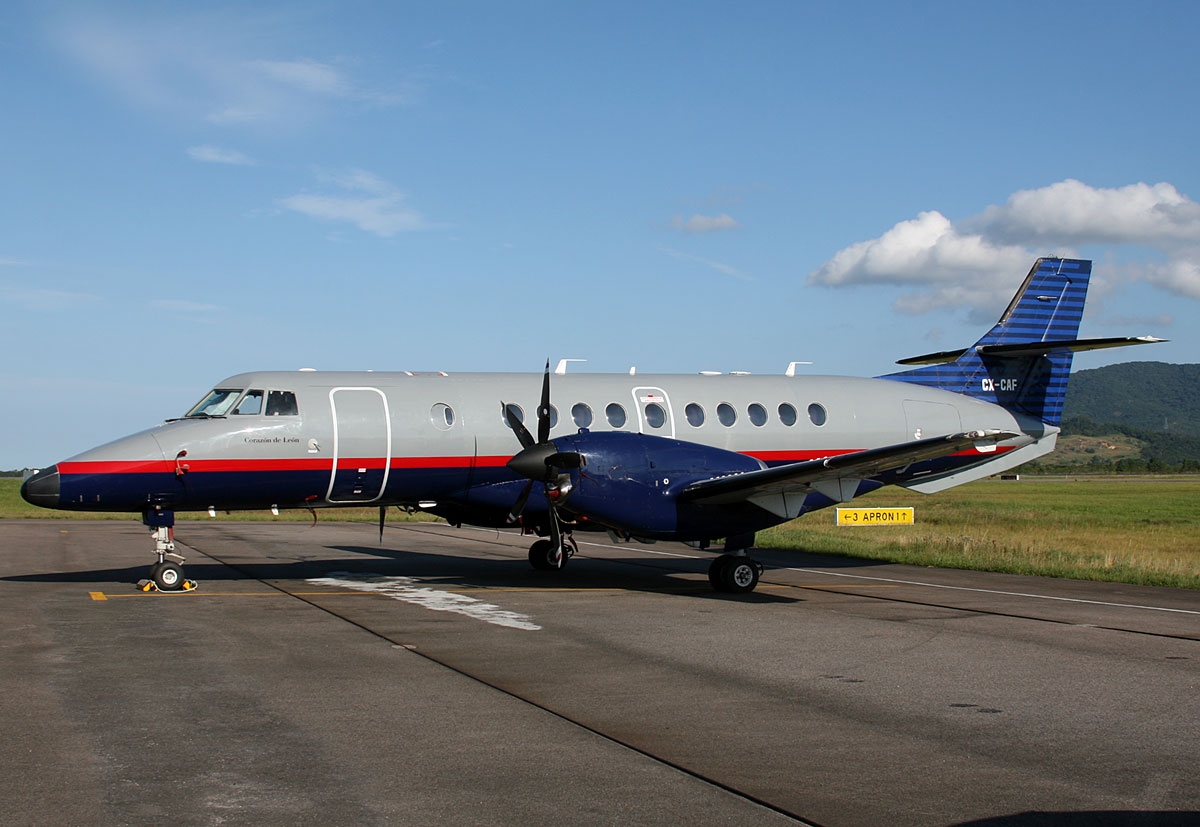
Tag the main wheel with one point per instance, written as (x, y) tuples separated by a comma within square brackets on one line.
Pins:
[(541, 556), (716, 571), (740, 575), (168, 576)]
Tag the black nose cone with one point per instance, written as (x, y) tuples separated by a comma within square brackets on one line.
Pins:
[(42, 488)]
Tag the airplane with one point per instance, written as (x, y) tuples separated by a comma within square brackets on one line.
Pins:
[(695, 458)]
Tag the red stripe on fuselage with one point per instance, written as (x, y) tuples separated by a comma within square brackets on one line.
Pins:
[(140, 466), (158, 466)]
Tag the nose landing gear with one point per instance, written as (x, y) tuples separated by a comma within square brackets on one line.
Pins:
[(166, 574)]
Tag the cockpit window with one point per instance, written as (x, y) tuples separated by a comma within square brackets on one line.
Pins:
[(217, 403), (281, 403), (251, 404)]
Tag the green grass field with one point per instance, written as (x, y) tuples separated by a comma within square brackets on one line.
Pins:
[(1143, 530)]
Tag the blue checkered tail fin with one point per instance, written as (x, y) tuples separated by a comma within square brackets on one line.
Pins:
[(1024, 361)]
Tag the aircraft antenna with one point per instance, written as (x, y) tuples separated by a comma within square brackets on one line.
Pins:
[(561, 368)]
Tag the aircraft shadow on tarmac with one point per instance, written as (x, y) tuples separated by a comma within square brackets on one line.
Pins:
[(434, 570)]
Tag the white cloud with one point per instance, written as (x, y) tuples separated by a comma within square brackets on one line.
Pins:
[(1072, 212), (198, 68), (925, 249), (715, 265), (306, 75), (1180, 275), (42, 299), (358, 179), (704, 223), (217, 155), (1149, 322), (973, 263), (379, 209)]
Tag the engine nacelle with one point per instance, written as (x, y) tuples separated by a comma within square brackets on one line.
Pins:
[(630, 481)]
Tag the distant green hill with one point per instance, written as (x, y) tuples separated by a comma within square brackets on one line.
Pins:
[(1132, 417), (1151, 396)]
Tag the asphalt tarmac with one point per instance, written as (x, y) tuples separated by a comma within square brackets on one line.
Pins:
[(320, 677)]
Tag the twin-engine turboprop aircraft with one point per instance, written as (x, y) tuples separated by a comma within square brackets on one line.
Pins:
[(692, 458)]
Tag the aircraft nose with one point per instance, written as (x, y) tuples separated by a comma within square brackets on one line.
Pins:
[(42, 488)]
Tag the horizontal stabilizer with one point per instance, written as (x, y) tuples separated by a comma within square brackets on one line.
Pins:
[(857, 465), (1025, 349)]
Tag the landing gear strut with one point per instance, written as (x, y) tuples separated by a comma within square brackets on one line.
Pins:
[(166, 574)]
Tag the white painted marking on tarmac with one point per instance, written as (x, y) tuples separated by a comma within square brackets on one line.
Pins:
[(996, 591), (405, 588)]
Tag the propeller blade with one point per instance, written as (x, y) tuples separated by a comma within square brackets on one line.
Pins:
[(382, 518), (539, 461), (519, 505), (509, 412), (543, 413)]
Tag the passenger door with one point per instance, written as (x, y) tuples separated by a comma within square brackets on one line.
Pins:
[(362, 445)]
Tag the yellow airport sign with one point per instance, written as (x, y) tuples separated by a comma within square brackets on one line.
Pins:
[(875, 516)]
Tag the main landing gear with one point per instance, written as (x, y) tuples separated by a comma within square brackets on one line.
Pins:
[(734, 573), (166, 574), (543, 555)]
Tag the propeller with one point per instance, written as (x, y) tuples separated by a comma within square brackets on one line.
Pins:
[(540, 461)]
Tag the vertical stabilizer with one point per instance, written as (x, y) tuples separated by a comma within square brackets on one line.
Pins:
[(1016, 364)]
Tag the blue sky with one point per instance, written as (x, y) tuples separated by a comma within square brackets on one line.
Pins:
[(192, 190)]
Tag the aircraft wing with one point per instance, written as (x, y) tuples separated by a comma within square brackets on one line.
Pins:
[(836, 476)]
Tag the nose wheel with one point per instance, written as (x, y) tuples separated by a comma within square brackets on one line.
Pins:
[(166, 574)]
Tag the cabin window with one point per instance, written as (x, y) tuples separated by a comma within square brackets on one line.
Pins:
[(251, 404), (217, 403), (442, 416), (757, 414), (787, 414), (615, 415), (282, 403), (695, 414), (726, 414), (582, 415), (656, 417), (553, 417), (816, 414)]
